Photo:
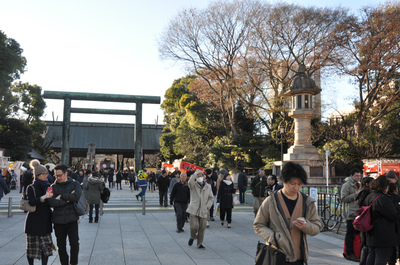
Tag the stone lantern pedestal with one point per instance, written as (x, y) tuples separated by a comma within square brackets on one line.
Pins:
[(302, 92)]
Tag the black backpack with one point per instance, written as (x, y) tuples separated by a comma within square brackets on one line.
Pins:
[(105, 195)]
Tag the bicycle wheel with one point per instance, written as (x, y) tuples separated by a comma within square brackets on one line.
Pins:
[(325, 214), (333, 221)]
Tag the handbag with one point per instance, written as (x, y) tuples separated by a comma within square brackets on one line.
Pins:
[(24, 203), (81, 206), (218, 211), (269, 255), (235, 199)]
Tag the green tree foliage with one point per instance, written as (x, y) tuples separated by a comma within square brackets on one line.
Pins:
[(31, 107), (15, 137), (12, 64)]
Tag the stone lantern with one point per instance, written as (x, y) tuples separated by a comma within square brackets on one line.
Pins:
[(302, 92)]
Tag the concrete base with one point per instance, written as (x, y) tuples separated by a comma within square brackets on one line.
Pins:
[(303, 152), (308, 157)]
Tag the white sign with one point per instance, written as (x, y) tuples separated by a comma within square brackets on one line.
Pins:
[(314, 195)]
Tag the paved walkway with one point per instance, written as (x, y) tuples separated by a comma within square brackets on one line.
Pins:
[(125, 236)]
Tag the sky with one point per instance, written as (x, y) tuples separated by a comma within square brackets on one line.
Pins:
[(110, 46)]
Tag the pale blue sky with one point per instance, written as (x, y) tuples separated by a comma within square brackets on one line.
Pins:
[(105, 46)]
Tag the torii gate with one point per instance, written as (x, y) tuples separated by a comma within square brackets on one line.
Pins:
[(68, 96)]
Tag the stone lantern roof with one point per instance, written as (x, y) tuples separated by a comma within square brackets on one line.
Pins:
[(302, 84)]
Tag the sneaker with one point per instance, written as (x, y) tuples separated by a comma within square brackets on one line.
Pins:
[(212, 219), (178, 231), (190, 242), (201, 247)]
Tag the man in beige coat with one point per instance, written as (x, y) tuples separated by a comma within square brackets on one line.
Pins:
[(289, 216), (201, 199)]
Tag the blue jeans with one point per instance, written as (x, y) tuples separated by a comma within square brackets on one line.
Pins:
[(96, 207), (143, 192)]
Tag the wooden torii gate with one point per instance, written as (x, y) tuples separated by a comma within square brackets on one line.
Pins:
[(68, 96)]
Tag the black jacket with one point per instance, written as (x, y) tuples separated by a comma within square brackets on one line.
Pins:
[(180, 193), (37, 223), (64, 210), (225, 192), (242, 181), (258, 186), (163, 183), (384, 214)]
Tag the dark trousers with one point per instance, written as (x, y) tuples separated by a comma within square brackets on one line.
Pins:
[(228, 212), (242, 194), (378, 256), (212, 211), (163, 198), (180, 210), (350, 234), (119, 184), (96, 207), (61, 232)]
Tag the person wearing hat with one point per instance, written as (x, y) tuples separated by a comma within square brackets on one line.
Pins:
[(38, 228), (392, 177), (95, 186), (142, 182)]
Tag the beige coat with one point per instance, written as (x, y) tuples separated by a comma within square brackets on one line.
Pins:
[(348, 196), (201, 199), (270, 220)]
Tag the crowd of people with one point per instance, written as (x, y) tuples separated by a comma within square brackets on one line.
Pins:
[(380, 245), (284, 216)]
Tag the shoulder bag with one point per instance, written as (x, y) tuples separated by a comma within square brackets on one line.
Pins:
[(269, 255), (24, 203), (362, 222), (81, 206)]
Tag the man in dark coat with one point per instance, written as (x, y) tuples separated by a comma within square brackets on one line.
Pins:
[(242, 185), (258, 186), (180, 196), (163, 184), (66, 192), (27, 178), (273, 184)]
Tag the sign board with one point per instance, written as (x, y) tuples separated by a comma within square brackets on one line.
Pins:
[(314, 195)]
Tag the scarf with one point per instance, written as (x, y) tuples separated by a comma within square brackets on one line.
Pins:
[(42, 184)]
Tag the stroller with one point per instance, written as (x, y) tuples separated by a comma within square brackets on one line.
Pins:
[(13, 184)]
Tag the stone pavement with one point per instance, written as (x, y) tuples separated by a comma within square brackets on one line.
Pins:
[(125, 236)]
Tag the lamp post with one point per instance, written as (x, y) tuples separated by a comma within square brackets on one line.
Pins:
[(327, 153), (281, 131)]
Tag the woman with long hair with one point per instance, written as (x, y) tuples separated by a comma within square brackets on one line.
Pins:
[(382, 237)]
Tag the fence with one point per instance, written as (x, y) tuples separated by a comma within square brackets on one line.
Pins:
[(328, 205)]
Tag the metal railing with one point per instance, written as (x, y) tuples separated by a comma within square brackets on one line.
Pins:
[(329, 206)]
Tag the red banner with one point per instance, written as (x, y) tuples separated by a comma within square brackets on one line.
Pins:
[(184, 166)]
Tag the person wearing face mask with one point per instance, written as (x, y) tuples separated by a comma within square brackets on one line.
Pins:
[(225, 199), (201, 199)]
